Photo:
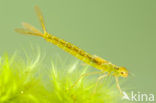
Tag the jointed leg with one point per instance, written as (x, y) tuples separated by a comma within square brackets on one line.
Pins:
[(84, 75), (99, 78), (117, 84)]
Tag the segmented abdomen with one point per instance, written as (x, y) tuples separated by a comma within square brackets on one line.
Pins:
[(70, 48), (75, 51)]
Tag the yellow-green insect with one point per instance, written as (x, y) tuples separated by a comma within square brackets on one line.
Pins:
[(106, 67)]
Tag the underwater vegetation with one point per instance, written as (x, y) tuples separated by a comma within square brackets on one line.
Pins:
[(30, 81)]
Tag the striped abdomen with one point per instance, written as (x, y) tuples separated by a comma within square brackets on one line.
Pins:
[(75, 51)]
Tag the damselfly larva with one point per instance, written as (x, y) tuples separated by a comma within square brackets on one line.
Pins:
[(105, 67)]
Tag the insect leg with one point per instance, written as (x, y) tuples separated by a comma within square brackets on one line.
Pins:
[(117, 84), (84, 75), (98, 79)]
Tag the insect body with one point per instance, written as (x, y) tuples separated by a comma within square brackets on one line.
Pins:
[(95, 61)]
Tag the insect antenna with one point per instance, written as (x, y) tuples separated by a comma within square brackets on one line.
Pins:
[(132, 74)]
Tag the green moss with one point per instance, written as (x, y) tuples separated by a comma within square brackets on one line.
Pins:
[(18, 83), (83, 92), (24, 81)]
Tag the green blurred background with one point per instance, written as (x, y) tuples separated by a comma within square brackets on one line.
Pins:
[(121, 31)]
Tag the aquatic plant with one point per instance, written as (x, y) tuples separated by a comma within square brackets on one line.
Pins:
[(24, 81)]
